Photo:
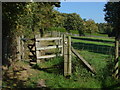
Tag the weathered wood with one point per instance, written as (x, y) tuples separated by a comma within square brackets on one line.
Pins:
[(47, 56), (37, 44), (83, 60), (49, 47), (65, 55), (53, 38), (69, 55), (32, 63), (18, 48), (61, 42), (22, 48)]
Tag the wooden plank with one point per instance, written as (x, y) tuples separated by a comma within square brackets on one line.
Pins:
[(53, 38), (69, 55), (83, 60), (49, 47), (47, 56)]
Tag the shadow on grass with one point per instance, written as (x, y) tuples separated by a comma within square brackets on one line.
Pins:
[(12, 83), (106, 78), (56, 69), (102, 49), (115, 86)]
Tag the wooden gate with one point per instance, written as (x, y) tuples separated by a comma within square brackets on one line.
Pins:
[(58, 46), (63, 44)]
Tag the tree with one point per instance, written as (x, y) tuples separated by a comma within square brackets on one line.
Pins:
[(112, 16), (25, 18), (104, 28), (73, 21), (91, 26)]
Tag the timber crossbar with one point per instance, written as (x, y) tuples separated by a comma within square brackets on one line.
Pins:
[(47, 56), (53, 38), (49, 47), (83, 60)]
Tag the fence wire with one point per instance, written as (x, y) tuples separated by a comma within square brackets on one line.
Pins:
[(102, 49)]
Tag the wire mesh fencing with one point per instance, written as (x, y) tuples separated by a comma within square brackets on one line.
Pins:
[(96, 48)]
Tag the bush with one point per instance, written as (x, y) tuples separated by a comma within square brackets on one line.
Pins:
[(74, 31), (61, 29)]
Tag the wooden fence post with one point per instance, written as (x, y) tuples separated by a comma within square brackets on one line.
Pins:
[(22, 48), (65, 55), (37, 44), (18, 48), (116, 68), (69, 55), (62, 45)]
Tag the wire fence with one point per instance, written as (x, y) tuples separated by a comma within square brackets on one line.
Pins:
[(94, 48)]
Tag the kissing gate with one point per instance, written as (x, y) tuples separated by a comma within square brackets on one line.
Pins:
[(62, 46)]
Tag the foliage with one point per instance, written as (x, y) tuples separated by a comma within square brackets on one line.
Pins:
[(74, 31), (25, 18), (59, 29), (58, 19), (91, 26), (73, 21), (104, 28), (112, 16)]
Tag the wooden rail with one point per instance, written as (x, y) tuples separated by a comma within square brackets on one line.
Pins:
[(47, 56), (57, 46), (53, 38), (83, 60), (49, 47)]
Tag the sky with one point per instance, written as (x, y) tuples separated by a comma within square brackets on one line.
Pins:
[(88, 10)]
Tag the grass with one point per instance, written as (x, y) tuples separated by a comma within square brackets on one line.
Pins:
[(51, 70), (97, 34), (96, 38), (89, 42), (93, 46)]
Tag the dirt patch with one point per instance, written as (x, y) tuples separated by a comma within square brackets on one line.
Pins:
[(18, 74)]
